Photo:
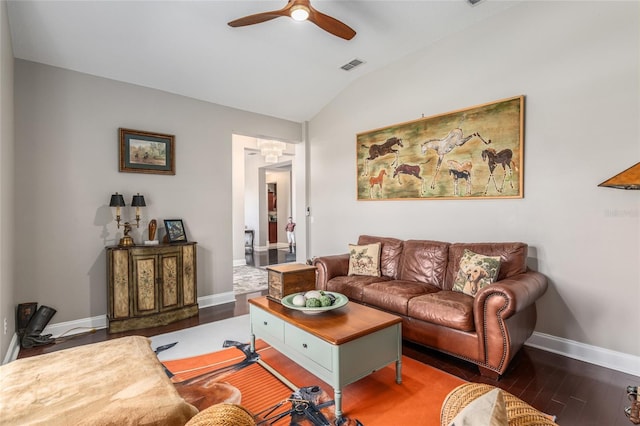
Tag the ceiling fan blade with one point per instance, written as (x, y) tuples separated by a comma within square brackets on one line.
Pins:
[(257, 18), (330, 24)]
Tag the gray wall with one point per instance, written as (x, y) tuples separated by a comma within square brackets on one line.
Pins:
[(577, 64), (67, 168), (7, 298)]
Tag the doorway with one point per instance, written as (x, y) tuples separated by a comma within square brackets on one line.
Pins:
[(253, 180)]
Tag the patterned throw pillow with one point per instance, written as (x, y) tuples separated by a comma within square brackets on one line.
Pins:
[(364, 260), (476, 271), (487, 410)]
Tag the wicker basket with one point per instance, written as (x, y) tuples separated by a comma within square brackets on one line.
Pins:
[(519, 412), (223, 415)]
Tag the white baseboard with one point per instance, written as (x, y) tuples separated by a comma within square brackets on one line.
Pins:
[(13, 350), (607, 358), (86, 324), (216, 299), (98, 322), (239, 262), (83, 325)]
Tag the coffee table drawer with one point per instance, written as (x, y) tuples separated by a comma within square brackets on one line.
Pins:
[(308, 345), (265, 323)]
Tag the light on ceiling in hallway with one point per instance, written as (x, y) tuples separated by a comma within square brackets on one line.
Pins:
[(271, 150)]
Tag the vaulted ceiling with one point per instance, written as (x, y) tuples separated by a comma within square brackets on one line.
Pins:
[(281, 68)]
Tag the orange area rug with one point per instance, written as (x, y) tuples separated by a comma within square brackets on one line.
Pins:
[(374, 400)]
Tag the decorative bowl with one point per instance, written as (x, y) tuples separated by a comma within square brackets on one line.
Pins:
[(341, 300)]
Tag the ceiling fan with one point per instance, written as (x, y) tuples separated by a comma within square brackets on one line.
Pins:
[(300, 10)]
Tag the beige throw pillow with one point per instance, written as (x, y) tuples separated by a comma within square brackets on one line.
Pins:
[(364, 259), (476, 271), (487, 410)]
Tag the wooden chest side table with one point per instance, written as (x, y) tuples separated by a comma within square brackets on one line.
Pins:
[(290, 278)]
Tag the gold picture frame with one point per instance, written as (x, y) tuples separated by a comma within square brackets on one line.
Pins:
[(147, 152), (471, 153)]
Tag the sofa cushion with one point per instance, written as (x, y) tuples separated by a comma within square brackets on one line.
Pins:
[(390, 254), (476, 271), (364, 259), (446, 308), (424, 261), (394, 295), (513, 258), (352, 286)]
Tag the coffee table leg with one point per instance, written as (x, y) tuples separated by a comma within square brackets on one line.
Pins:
[(399, 371), (337, 397), (399, 359), (253, 342)]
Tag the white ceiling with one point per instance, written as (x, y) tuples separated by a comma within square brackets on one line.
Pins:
[(280, 68)]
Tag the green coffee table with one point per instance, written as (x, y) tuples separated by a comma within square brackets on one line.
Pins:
[(339, 346)]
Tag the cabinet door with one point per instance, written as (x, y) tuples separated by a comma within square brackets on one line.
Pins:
[(118, 276), (145, 283), (189, 282), (170, 280)]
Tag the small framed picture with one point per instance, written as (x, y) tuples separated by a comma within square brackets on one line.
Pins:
[(175, 231), (146, 152)]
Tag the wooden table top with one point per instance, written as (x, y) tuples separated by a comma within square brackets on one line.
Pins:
[(337, 326), (290, 267)]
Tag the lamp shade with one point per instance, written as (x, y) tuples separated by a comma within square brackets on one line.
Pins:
[(138, 201), (117, 200), (628, 179)]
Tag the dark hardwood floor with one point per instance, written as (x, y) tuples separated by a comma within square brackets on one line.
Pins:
[(269, 257), (576, 392)]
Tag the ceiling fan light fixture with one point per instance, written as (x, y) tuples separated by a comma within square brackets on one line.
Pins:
[(299, 13)]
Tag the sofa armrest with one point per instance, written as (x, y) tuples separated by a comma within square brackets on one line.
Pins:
[(517, 293), (505, 317), (329, 267)]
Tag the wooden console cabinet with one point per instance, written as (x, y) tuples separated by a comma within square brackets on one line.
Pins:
[(150, 286)]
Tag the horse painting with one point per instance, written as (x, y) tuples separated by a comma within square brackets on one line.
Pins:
[(449, 155), (381, 150)]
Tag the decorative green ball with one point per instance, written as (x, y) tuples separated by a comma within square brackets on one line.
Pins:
[(313, 303), (325, 301)]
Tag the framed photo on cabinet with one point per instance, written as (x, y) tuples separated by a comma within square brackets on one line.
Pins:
[(175, 231)]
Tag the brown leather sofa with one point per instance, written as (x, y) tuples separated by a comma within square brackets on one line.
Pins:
[(416, 283)]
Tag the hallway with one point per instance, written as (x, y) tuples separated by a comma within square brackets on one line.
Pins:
[(272, 256)]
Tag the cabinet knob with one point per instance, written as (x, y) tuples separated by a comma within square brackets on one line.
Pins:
[(304, 345), (264, 322)]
